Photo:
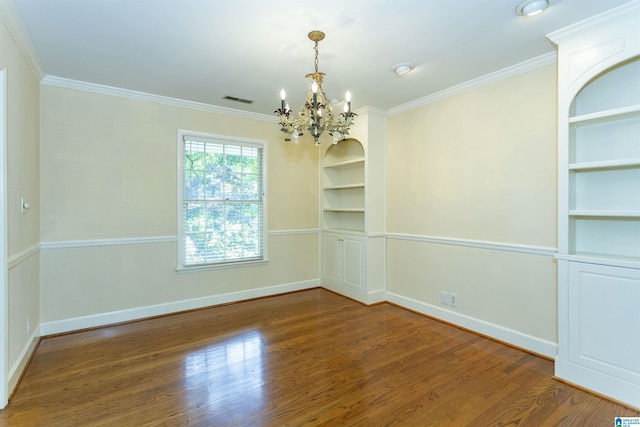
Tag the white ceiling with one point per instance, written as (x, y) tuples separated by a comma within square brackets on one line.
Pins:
[(202, 50)]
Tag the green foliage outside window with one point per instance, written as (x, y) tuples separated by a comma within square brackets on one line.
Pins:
[(223, 202)]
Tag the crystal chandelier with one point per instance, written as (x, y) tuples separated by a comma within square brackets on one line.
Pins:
[(316, 115)]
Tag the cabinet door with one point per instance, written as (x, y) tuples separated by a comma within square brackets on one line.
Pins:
[(353, 261), (603, 319), (331, 259)]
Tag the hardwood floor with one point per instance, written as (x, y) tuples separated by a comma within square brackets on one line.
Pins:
[(307, 358)]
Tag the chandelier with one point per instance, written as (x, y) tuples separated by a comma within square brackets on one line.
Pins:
[(316, 115)]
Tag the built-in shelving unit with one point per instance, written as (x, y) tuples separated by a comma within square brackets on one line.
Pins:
[(343, 187), (604, 166), (353, 206), (599, 203)]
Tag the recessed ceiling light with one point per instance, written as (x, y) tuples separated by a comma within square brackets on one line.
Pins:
[(531, 7), (402, 69)]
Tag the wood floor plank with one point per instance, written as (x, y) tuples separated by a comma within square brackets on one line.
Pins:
[(309, 358)]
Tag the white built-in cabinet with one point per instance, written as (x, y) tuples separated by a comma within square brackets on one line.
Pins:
[(353, 206), (599, 204)]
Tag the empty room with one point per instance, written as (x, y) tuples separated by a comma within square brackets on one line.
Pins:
[(285, 213)]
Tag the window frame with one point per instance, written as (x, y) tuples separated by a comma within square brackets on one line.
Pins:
[(225, 140)]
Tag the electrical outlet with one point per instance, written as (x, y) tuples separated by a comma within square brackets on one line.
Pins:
[(453, 299), (444, 297), (28, 325)]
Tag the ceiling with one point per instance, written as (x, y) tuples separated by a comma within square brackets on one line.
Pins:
[(204, 50)]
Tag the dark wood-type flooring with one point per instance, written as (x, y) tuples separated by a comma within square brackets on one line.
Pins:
[(309, 358)]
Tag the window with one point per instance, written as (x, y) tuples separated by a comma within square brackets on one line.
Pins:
[(221, 200)]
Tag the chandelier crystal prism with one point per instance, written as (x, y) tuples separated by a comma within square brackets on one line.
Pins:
[(316, 115)]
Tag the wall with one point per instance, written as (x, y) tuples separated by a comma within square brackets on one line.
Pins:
[(471, 209), (22, 181), (109, 225)]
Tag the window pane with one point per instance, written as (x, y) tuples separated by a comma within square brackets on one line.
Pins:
[(250, 187), (222, 206)]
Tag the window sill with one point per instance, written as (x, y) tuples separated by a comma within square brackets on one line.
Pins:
[(221, 266)]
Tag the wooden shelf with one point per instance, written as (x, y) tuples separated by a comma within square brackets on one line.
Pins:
[(356, 210), (606, 164), (606, 115), (604, 259), (346, 163), (346, 186), (605, 213)]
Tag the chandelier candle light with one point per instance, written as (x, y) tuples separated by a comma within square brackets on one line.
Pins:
[(316, 115)]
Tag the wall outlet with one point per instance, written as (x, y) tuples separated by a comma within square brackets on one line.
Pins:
[(453, 299), (444, 297), (28, 325)]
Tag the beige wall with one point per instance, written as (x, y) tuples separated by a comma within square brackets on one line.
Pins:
[(23, 166), (108, 171), (478, 167)]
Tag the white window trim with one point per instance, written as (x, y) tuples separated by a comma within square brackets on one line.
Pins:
[(181, 268)]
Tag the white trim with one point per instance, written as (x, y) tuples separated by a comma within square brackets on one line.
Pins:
[(505, 73), (149, 97), (263, 148), (16, 29), (495, 246), (500, 333), (104, 319), (293, 232), (588, 25), (4, 274), (22, 256), (69, 244), (25, 355), (107, 242), (599, 382), (221, 266)]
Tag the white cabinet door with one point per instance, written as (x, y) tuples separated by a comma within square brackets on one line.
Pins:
[(342, 260), (331, 259), (604, 320), (352, 261)]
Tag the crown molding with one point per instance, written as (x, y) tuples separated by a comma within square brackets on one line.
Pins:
[(590, 24), (505, 73), (15, 28), (158, 99)]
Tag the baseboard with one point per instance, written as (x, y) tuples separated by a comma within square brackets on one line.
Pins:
[(113, 317), (611, 387), (18, 368), (509, 336), (358, 295)]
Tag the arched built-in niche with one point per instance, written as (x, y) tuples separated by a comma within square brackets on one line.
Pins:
[(343, 186)]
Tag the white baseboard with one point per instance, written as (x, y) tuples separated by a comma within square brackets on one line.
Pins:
[(509, 336), (103, 319), (21, 364), (613, 387)]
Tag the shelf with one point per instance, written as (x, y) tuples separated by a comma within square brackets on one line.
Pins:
[(603, 259), (357, 210), (606, 164), (604, 116), (345, 187), (346, 163), (605, 213)]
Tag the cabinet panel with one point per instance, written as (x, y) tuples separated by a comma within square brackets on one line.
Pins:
[(331, 258), (604, 320), (353, 262)]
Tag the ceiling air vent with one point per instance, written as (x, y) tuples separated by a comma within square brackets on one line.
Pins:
[(236, 99)]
